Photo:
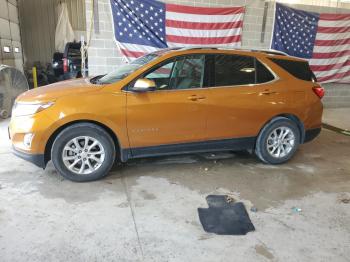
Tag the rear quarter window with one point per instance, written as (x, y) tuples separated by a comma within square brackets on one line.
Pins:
[(298, 69), (263, 75)]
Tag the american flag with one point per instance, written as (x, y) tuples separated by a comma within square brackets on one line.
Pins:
[(323, 39), (143, 26)]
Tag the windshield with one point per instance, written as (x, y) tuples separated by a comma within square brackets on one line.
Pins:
[(125, 70)]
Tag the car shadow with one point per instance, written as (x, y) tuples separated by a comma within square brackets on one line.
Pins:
[(199, 159)]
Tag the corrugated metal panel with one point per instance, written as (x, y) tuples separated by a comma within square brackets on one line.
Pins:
[(3, 9), (10, 34), (38, 25)]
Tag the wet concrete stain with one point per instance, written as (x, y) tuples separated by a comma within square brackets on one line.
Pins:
[(265, 185), (146, 195), (123, 205), (206, 236), (263, 251), (344, 198)]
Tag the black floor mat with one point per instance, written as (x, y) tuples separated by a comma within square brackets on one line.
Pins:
[(225, 218)]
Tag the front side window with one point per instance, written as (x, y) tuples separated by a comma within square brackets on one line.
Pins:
[(234, 70), (161, 75), (188, 72), (182, 73)]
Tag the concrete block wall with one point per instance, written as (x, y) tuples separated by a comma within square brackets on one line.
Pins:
[(103, 53), (105, 57), (337, 95)]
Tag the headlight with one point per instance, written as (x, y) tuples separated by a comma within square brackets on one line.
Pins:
[(24, 109)]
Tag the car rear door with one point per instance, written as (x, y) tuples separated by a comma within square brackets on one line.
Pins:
[(238, 105), (175, 112)]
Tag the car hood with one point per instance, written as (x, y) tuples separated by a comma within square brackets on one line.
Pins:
[(56, 90)]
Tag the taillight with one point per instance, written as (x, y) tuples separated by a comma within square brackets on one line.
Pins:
[(319, 91), (65, 65)]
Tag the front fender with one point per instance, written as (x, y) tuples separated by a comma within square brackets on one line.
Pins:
[(107, 109)]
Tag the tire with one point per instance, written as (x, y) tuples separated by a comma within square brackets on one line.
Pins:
[(269, 148), (98, 158)]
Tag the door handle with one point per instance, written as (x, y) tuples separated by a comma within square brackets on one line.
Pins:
[(268, 92), (196, 98)]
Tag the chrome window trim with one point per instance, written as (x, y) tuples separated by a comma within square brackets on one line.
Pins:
[(276, 78)]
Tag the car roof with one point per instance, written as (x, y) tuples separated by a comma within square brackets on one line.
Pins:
[(259, 52)]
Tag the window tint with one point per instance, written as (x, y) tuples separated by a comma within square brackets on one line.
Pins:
[(182, 73), (161, 75), (263, 75), (234, 70), (142, 60), (298, 69), (188, 72)]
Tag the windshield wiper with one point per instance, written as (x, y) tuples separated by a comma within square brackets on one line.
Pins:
[(96, 80)]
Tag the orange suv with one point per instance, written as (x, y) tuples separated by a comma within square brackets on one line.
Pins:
[(174, 101)]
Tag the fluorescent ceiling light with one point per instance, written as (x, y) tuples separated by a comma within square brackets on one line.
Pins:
[(16, 49)]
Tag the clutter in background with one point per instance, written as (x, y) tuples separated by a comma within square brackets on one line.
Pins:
[(12, 83)]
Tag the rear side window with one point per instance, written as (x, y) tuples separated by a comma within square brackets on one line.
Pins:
[(234, 70), (263, 75), (298, 69)]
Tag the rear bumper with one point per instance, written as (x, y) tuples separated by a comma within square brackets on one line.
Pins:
[(311, 134), (36, 159)]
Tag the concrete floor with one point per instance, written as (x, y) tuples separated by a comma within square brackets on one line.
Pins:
[(147, 209)]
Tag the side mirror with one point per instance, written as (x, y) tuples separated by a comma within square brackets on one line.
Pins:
[(144, 85)]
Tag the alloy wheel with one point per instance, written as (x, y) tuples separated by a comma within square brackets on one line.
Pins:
[(280, 142), (83, 155)]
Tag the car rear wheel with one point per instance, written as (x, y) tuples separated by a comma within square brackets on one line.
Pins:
[(277, 141), (83, 152)]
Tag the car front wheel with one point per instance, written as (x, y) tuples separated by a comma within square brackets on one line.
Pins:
[(83, 152)]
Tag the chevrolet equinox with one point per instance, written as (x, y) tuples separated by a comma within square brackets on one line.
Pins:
[(174, 101)]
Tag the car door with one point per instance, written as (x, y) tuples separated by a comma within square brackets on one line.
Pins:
[(238, 105), (175, 112)]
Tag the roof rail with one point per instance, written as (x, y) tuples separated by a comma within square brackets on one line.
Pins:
[(270, 52), (199, 47), (267, 51)]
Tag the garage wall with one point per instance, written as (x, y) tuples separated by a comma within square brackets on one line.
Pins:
[(10, 34), (38, 26), (104, 56), (337, 95)]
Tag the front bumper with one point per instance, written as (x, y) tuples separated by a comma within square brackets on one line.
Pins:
[(36, 159), (38, 125)]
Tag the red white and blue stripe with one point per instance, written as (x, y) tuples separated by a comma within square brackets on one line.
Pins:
[(143, 26), (323, 39)]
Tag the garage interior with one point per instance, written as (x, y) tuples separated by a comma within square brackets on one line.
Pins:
[(146, 209)]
